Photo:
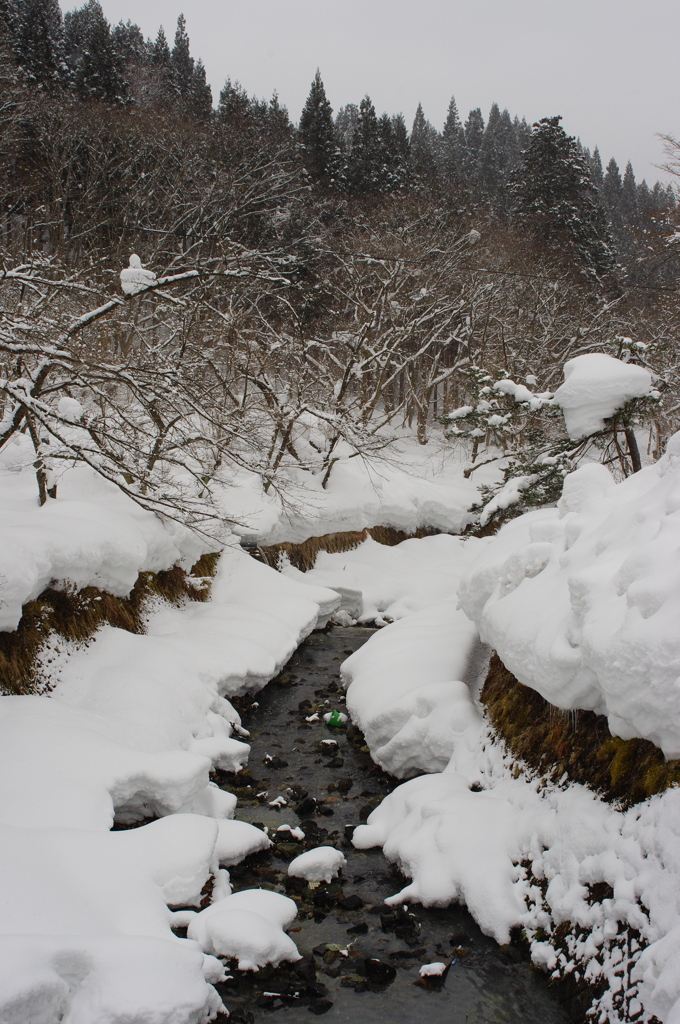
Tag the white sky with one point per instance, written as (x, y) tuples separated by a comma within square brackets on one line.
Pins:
[(610, 67)]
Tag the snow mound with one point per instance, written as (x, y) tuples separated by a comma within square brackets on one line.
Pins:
[(408, 689), (595, 387), (582, 602), (86, 925), (91, 536), (247, 925), (319, 865)]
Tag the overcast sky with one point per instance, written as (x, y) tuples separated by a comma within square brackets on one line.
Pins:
[(611, 68)]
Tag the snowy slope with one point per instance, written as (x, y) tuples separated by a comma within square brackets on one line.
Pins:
[(582, 602)]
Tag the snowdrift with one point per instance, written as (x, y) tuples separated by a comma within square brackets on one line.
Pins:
[(582, 602)]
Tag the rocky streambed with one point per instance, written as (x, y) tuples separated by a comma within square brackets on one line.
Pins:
[(361, 959)]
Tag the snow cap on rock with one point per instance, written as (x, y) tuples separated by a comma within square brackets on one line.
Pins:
[(318, 865)]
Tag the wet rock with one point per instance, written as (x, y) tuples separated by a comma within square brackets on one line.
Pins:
[(336, 762), (316, 989), (288, 850), (364, 812), (358, 929), (274, 762), (460, 939), (350, 902), (344, 785), (305, 807), (325, 810), (378, 972), (408, 954), (320, 1006), (355, 981)]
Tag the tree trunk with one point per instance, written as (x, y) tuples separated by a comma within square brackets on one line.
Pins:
[(633, 450)]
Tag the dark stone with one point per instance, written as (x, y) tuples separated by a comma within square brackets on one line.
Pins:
[(364, 812), (344, 785), (320, 1006), (379, 973), (336, 762), (325, 810), (351, 902), (460, 939), (349, 832), (306, 807), (316, 989), (275, 762), (358, 929)]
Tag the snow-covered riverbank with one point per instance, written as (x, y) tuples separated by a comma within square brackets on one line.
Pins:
[(134, 723)]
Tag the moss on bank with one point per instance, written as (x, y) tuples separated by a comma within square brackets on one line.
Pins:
[(77, 615), (303, 555), (578, 744)]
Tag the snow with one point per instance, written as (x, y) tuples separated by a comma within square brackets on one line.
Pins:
[(247, 925), (595, 387), (132, 728), (135, 278), (388, 583), (582, 602), (92, 536), (321, 864), (433, 970), (411, 487)]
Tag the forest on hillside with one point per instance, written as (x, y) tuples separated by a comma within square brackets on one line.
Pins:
[(314, 284)]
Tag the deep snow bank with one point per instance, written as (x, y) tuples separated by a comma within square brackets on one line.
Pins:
[(133, 727), (92, 536), (582, 602)]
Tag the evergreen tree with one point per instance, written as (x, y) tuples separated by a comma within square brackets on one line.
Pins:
[(366, 165), (129, 43), (401, 140), (612, 187), (453, 141), (629, 207), (474, 135), (235, 105), (596, 168), (198, 99), (182, 61), (96, 67), (160, 51), (424, 148), (321, 156), (38, 32), (557, 201), (345, 126)]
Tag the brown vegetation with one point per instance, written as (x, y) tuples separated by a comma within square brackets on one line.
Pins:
[(77, 615), (578, 744)]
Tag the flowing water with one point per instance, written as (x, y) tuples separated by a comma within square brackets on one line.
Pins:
[(361, 959)]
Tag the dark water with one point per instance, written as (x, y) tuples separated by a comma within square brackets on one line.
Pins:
[(360, 959)]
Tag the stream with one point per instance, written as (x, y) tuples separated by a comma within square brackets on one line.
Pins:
[(361, 959)]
